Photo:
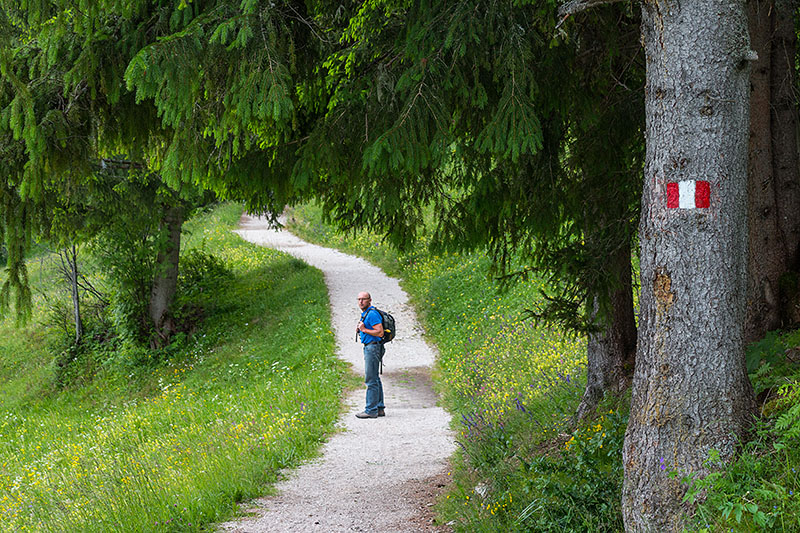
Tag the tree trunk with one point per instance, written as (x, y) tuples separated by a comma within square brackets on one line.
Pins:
[(690, 393), (72, 260), (785, 156), (610, 354), (767, 257), (784, 126), (165, 281), (773, 188)]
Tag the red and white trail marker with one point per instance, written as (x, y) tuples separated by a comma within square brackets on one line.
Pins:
[(688, 194)]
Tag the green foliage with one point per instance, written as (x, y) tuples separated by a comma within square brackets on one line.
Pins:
[(378, 108), (115, 316), (75, 365), (511, 134), (235, 119), (788, 423), (504, 481), (764, 351), (754, 493), (580, 488), (202, 276), (759, 490), (515, 129), (772, 363), (127, 247), (171, 440), (63, 117), (15, 278)]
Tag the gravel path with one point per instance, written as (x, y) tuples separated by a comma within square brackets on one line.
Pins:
[(376, 475)]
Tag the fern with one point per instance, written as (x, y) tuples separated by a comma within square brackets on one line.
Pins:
[(789, 421)]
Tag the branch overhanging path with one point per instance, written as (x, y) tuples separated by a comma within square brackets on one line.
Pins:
[(366, 476)]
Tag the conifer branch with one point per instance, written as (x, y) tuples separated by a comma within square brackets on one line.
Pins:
[(312, 27), (571, 7), (122, 164)]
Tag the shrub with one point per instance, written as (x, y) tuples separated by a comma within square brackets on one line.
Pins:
[(127, 256), (579, 487), (201, 276)]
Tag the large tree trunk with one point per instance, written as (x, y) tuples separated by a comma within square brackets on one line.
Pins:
[(610, 354), (773, 191), (165, 281), (691, 393)]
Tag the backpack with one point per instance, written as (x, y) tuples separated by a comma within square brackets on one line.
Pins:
[(387, 321)]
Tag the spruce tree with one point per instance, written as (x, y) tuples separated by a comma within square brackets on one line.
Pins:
[(68, 118)]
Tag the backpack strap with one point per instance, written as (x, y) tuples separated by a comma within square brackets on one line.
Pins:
[(364, 315), (366, 312)]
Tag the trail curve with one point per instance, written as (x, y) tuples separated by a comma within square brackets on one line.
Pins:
[(376, 475)]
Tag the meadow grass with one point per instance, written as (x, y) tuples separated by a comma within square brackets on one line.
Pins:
[(171, 441)]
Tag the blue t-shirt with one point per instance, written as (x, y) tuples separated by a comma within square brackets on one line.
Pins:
[(372, 318)]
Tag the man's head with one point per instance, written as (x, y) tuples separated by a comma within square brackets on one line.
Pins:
[(364, 300)]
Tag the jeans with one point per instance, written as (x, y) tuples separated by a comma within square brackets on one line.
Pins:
[(373, 353)]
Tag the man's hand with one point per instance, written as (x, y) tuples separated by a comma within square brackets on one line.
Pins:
[(377, 332)]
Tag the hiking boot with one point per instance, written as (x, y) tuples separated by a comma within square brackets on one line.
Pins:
[(381, 412), (364, 414)]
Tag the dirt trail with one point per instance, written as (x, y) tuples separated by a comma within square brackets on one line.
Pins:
[(379, 474)]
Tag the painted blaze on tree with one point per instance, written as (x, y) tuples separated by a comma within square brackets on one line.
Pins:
[(691, 393)]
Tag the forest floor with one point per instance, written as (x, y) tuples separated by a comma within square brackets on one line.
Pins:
[(379, 474)]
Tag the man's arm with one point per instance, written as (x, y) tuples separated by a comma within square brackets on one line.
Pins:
[(376, 331)]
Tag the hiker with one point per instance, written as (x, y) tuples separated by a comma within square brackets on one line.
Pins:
[(370, 331)]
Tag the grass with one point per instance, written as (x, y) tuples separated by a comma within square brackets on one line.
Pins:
[(171, 441)]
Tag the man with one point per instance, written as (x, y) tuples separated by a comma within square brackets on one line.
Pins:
[(370, 331)]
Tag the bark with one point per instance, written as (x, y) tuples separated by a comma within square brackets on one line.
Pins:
[(767, 257), (773, 191), (690, 391), (610, 354), (165, 281), (784, 127), (785, 156)]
